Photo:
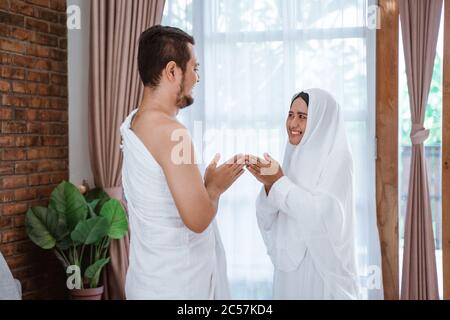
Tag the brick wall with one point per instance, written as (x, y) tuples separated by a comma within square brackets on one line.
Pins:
[(33, 133)]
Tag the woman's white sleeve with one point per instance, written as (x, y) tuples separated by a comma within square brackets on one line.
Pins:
[(266, 215)]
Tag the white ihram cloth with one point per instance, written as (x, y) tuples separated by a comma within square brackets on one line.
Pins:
[(307, 220), (167, 260)]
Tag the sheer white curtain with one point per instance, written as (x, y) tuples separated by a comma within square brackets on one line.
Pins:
[(254, 56)]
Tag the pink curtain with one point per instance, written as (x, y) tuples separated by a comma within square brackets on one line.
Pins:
[(420, 27), (114, 90)]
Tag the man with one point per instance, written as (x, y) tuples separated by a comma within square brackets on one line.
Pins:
[(175, 248)]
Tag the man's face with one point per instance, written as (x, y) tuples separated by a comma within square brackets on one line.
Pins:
[(189, 80)]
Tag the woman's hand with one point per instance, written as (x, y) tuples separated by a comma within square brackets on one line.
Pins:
[(219, 178), (267, 170)]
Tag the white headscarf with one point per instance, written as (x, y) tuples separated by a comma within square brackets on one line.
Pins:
[(322, 165)]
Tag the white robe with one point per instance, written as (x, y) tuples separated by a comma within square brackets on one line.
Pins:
[(167, 260), (10, 288), (307, 220)]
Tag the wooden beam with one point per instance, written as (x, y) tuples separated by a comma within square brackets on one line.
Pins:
[(387, 133), (446, 154)]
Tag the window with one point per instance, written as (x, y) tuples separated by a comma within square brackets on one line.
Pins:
[(254, 56)]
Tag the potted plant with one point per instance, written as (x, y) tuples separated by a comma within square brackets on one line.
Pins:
[(78, 228)]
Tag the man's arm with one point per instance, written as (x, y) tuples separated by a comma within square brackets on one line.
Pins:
[(195, 200)]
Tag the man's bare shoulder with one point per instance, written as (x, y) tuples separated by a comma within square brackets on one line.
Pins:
[(158, 131)]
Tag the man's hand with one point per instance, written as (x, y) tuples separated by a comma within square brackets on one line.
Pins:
[(267, 170), (219, 178)]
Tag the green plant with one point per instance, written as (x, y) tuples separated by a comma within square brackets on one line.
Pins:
[(78, 228)]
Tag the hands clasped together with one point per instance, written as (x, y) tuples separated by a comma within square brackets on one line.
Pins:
[(219, 178)]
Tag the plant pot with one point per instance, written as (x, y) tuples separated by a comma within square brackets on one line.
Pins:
[(86, 294)]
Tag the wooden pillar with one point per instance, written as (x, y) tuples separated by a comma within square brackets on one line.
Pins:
[(387, 146), (446, 154)]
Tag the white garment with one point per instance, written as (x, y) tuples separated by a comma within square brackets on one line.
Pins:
[(307, 220), (10, 288), (167, 260)]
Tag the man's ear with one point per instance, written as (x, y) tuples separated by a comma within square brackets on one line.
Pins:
[(170, 71)]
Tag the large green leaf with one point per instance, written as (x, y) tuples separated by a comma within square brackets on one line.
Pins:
[(46, 227), (67, 200), (90, 231), (92, 273), (97, 194), (115, 214), (92, 206)]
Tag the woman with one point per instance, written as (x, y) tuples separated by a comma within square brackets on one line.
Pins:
[(306, 212)]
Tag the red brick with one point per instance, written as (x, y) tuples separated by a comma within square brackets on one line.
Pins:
[(7, 141), (52, 165), (46, 39), (19, 221), (14, 127), (6, 196), (43, 65), (63, 43), (21, 34), (58, 5), (17, 248), (5, 86), (14, 235), (22, 8), (14, 209), (5, 222), (12, 46), (6, 168), (42, 3), (13, 101), (28, 141), (39, 179), (38, 76), (4, 4), (13, 182), (25, 194), (11, 19), (59, 79), (22, 61), (39, 51), (12, 73), (26, 167), (13, 154), (36, 25), (6, 114), (54, 141), (5, 31), (46, 15), (25, 115), (53, 116)]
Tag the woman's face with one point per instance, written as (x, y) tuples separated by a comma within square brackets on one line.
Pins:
[(296, 121)]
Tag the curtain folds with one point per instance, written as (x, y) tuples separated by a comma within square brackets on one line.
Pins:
[(420, 28)]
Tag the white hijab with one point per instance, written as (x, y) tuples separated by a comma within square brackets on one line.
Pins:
[(322, 165)]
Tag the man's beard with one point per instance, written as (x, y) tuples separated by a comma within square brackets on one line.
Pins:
[(183, 101)]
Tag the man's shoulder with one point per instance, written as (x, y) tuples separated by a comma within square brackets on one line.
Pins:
[(160, 133), (158, 125)]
